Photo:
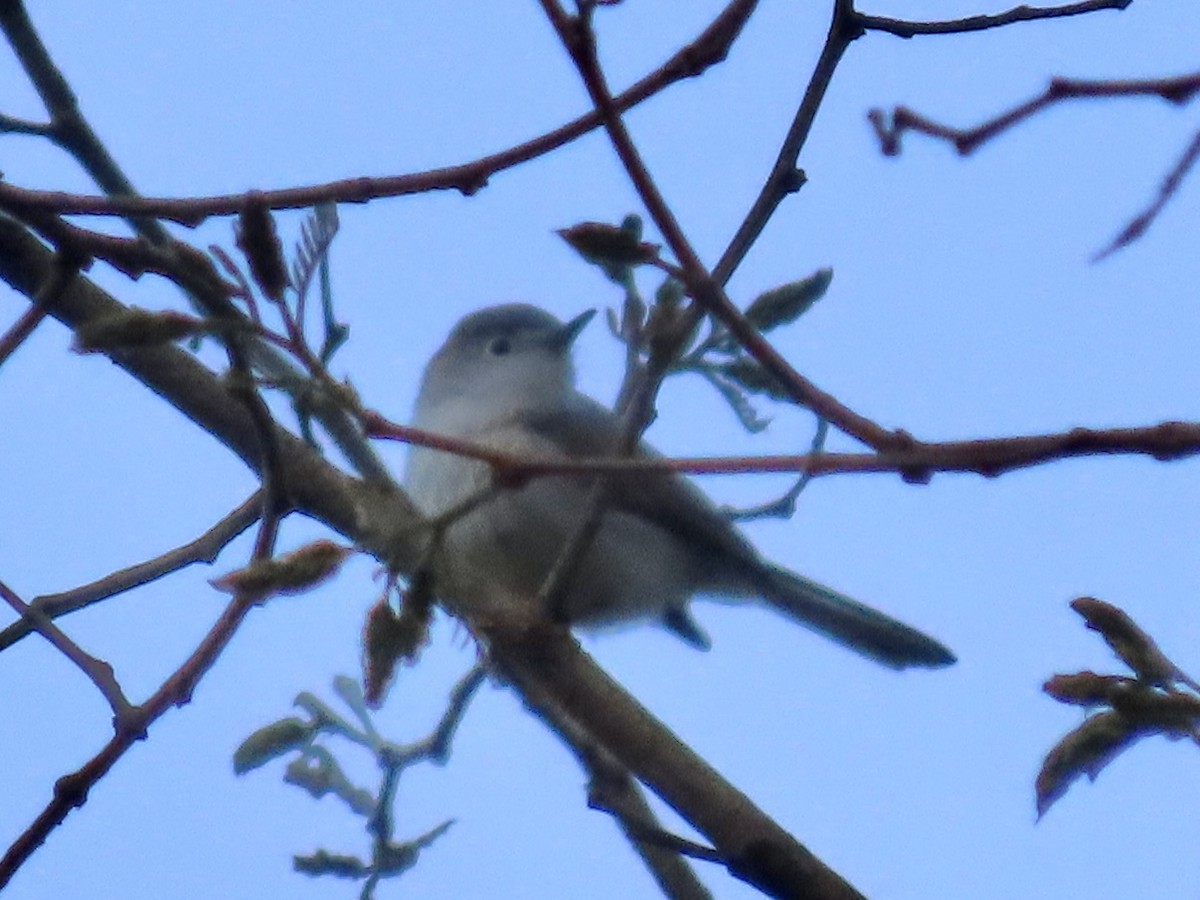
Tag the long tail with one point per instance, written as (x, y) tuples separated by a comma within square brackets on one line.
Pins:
[(853, 624)]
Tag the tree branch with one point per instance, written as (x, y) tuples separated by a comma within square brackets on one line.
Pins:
[(613, 790), (57, 279), (553, 674), (378, 517), (68, 128), (205, 548), (890, 128), (907, 29), (785, 178), (1140, 223), (99, 672), (577, 36), (707, 50), (71, 790)]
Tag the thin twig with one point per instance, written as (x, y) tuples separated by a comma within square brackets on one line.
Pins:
[(847, 25), (375, 514), (1169, 187), (99, 672), (579, 40), (907, 29), (68, 128), (890, 129), (436, 746), (784, 507), (613, 790), (71, 790), (16, 125), (55, 283), (205, 548), (212, 294), (918, 462), (785, 178), (708, 49)]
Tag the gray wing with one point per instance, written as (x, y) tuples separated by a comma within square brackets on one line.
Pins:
[(668, 500)]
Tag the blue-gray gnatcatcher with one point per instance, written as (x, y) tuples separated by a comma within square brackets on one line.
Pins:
[(504, 378)]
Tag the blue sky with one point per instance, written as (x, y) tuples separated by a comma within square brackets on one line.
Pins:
[(963, 305)]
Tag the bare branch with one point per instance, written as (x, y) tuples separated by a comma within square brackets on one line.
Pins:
[(1169, 187), (578, 38), (99, 672), (377, 516), (848, 25), (132, 723), (56, 281), (905, 29), (205, 548), (71, 790), (785, 178), (552, 673), (890, 128), (15, 125), (613, 790), (68, 128), (708, 49), (917, 462)]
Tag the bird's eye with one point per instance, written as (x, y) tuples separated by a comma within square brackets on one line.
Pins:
[(499, 347)]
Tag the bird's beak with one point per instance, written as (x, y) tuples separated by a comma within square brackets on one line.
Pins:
[(566, 336)]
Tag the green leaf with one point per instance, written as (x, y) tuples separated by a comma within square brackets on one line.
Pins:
[(669, 293), (1084, 751), (737, 400), (318, 773), (340, 865), (750, 374), (788, 302), (270, 742), (394, 858)]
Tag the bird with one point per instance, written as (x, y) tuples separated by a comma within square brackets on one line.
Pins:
[(505, 379)]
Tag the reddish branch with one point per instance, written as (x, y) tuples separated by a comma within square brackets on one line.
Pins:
[(847, 25), (56, 282), (71, 790), (918, 462), (891, 128), (579, 39), (708, 49), (203, 549), (1181, 89), (99, 672), (1170, 185), (905, 29)]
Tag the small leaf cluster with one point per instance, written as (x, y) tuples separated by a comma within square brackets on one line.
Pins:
[(273, 283), (735, 374), (1158, 698), (315, 769)]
